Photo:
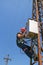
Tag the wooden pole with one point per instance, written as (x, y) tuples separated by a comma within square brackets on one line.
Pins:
[(39, 46), (7, 59)]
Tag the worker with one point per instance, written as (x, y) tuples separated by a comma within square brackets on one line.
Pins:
[(27, 49), (19, 39)]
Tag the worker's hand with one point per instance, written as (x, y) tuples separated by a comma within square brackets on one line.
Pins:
[(20, 35)]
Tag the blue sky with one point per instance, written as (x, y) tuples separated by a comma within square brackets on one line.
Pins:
[(13, 16)]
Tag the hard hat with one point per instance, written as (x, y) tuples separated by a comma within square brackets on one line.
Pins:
[(23, 29)]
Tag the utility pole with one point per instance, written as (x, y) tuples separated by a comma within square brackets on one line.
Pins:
[(37, 14), (7, 59), (39, 46)]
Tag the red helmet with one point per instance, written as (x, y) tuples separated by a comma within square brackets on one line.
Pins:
[(23, 29)]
